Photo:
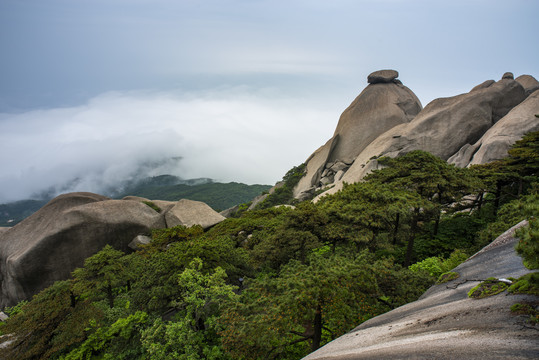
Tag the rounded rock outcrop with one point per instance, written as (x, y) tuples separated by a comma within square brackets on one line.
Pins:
[(51, 243), (529, 83), (508, 75), (443, 127), (190, 212), (381, 106), (495, 143)]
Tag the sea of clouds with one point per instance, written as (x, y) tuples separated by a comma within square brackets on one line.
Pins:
[(227, 134)]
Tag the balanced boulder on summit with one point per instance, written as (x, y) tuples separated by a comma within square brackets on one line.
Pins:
[(382, 105), (386, 119)]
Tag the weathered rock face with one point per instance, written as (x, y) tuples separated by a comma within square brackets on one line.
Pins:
[(315, 165), (382, 76), (508, 75), (381, 106), (493, 145), (55, 240), (189, 213), (442, 128), (445, 323), (377, 109), (529, 83)]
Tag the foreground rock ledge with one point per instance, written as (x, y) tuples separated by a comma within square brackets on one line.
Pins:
[(445, 324)]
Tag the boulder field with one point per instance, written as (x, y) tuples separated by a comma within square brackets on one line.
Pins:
[(445, 323), (51, 243), (387, 119)]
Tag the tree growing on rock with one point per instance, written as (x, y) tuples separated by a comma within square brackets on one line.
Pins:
[(441, 186), (102, 276)]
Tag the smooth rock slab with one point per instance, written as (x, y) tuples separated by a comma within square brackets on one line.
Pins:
[(190, 212)]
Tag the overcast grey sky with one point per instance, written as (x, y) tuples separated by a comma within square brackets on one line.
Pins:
[(242, 90)]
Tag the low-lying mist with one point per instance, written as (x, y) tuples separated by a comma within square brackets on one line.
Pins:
[(228, 135)]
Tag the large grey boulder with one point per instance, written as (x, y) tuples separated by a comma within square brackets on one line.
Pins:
[(51, 243), (382, 76), (495, 143), (445, 323), (378, 108), (529, 83), (190, 212), (382, 105), (442, 128)]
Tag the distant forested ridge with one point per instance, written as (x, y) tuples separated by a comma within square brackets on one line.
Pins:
[(219, 196)]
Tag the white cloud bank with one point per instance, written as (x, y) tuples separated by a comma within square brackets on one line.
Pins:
[(229, 135)]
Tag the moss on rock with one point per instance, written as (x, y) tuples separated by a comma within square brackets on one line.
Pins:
[(447, 276), (527, 284), (530, 309), (489, 287)]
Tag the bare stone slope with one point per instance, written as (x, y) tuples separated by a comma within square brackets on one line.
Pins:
[(445, 323)]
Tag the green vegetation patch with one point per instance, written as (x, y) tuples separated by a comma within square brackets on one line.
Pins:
[(437, 266), (528, 246), (284, 194), (448, 276), (219, 196), (489, 287), (527, 284), (527, 308), (152, 205)]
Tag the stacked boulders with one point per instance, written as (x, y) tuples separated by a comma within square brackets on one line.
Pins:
[(497, 140), (386, 119), (382, 105)]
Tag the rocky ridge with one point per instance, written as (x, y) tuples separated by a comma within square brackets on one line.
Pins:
[(387, 119)]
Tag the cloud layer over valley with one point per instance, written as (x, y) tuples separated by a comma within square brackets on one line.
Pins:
[(232, 134)]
